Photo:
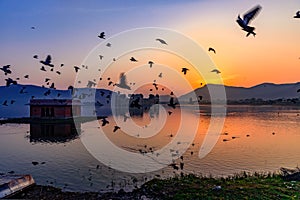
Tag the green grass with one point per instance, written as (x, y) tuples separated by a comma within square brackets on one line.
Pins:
[(257, 186)]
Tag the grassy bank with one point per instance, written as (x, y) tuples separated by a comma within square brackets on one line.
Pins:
[(242, 186)]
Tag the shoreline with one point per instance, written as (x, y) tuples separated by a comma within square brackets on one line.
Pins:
[(242, 186)]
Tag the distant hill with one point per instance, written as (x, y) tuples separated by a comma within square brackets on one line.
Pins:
[(265, 91), (21, 95)]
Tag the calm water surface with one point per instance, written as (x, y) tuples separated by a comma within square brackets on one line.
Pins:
[(272, 142)]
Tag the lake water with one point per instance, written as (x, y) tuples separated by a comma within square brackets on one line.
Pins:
[(253, 138)]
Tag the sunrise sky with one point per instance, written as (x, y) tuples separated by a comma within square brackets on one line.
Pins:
[(68, 31)]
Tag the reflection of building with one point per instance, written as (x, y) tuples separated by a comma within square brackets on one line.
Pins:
[(54, 108), (53, 132)]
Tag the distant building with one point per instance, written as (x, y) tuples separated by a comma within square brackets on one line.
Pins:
[(54, 108)]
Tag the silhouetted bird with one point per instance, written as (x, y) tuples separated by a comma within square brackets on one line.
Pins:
[(160, 75), (47, 61), (52, 86), (12, 101), (32, 27), (10, 81), (35, 56), (132, 59), (101, 35), (161, 41), (172, 103), (108, 44), (104, 121), (212, 49), (47, 92), (247, 18), (43, 68), (169, 112), (297, 14), (123, 83), (76, 68), (298, 90), (5, 103), (184, 70), (100, 56), (150, 63), (62, 64), (35, 163), (58, 72), (26, 76), (47, 79), (216, 71), (22, 90), (116, 128), (90, 84), (126, 117), (110, 83), (6, 69)]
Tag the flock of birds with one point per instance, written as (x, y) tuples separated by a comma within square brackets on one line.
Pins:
[(47, 65)]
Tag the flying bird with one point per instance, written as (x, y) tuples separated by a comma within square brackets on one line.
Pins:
[(104, 121), (47, 79), (58, 72), (47, 61), (123, 83), (246, 20), (47, 92), (43, 68), (5, 103), (216, 71), (26, 76), (90, 84), (116, 128), (76, 68), (10, 81), (108, 44), (132, 59), (52, 86), (297, 14), (12, 101), (160, 75), (35, 56), (22, 90), (6, 69), (101, 57), (212, 49), (298, 90), (101, 35), (184, 70), (161, 41), (150, 63)]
